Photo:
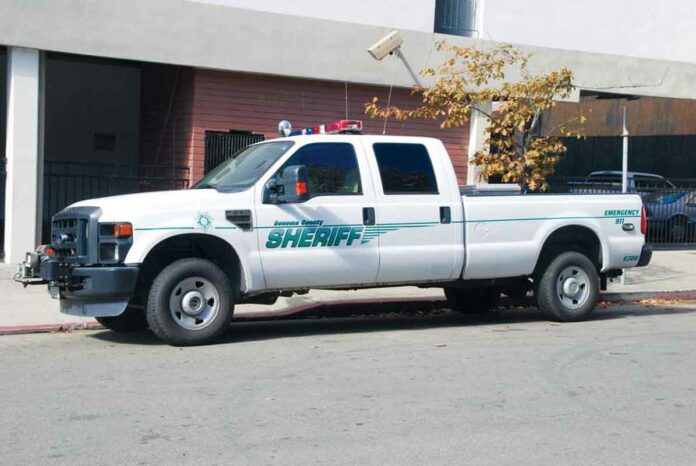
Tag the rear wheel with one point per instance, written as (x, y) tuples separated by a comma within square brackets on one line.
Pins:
[(190, 303), (472, 301), (132, 320), (568, 289)]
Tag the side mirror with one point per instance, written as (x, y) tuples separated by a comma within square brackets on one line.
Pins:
[(290, 187)]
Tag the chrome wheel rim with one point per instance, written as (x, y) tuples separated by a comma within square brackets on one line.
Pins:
[(573, 287), (194, 303)]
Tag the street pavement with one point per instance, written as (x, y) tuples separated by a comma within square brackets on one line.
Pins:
[(504, 388)]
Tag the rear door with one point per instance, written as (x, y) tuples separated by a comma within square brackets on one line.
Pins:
[(319, 242), (419, 227)]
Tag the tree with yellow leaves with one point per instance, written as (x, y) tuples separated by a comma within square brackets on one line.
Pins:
[(515, 148)]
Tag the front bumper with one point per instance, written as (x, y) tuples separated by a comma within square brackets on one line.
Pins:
[(98, 291), (84, 291), (645, 256)]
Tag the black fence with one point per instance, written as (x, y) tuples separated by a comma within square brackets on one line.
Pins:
[(69, 182), (670, 205), (221, 146)]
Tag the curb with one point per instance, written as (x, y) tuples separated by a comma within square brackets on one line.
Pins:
[(684, 295), (346, 308), (49, 328)]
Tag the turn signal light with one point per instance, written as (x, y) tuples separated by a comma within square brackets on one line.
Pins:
[(123, 230), (301, 188), (46, 250)]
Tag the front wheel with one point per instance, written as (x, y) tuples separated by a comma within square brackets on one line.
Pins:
[(568, 289), (190, 303)]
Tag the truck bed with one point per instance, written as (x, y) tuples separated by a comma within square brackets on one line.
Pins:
[(504, 234)]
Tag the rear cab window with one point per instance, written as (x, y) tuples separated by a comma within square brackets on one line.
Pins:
[(405, 168)]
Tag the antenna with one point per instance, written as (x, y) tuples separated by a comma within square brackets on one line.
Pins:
[(391, 88)]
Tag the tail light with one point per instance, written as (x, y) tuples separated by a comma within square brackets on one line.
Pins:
[(643, 221)]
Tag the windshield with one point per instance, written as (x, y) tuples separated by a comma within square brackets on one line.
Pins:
[(245, 168)]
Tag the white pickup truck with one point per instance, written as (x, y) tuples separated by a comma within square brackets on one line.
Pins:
[(332, 211)]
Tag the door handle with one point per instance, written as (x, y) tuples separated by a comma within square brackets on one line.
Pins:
[(445, 215), (368, 215)]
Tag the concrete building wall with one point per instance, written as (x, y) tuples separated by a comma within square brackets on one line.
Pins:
[(635, 28), (204, 35), (226, 101), (414, 15)]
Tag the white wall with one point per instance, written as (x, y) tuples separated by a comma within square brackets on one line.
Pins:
[(245, 40), (415, 15), (658, 29), (22, 152)]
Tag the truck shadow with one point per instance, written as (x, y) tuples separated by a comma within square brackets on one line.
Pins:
[(372, 319)]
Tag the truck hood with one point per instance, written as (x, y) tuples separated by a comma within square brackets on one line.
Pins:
[(161, 207)]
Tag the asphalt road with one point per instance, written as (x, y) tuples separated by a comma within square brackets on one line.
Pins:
[(509, 388)]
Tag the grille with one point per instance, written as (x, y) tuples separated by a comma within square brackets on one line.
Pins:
[(68, 237), (75, 235)]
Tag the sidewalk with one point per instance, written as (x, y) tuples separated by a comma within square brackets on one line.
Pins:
[(32, 309)]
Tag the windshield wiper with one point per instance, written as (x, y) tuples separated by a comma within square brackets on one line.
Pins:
[(205, 186)]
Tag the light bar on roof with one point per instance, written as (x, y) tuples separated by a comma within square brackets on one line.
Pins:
[(335, 127)]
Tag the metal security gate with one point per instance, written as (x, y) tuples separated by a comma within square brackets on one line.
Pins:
[(221, 146)]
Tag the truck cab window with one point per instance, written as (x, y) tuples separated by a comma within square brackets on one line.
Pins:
[(332, 168), (405, 168)]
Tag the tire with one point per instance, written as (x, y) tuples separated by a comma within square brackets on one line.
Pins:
[(190, 303), (568, 288), (132, 320), (472, 301)]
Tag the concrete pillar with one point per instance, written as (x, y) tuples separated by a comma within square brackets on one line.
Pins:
[(477, 139), (24, 158)]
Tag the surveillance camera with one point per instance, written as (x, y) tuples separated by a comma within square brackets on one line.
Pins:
[(386, 45)]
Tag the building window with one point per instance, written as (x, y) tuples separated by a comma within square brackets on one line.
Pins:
[(405, 168), (222, 146), (455, 17)]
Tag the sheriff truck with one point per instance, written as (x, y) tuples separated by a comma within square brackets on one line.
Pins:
[(330, 208)]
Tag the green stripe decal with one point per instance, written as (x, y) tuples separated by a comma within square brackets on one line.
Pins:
[(534, 219)]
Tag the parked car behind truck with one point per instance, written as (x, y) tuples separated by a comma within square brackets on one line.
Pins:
[(671, 215), (610, 181), (332, 211)]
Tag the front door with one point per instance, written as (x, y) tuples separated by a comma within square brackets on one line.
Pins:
[(320, 242)]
